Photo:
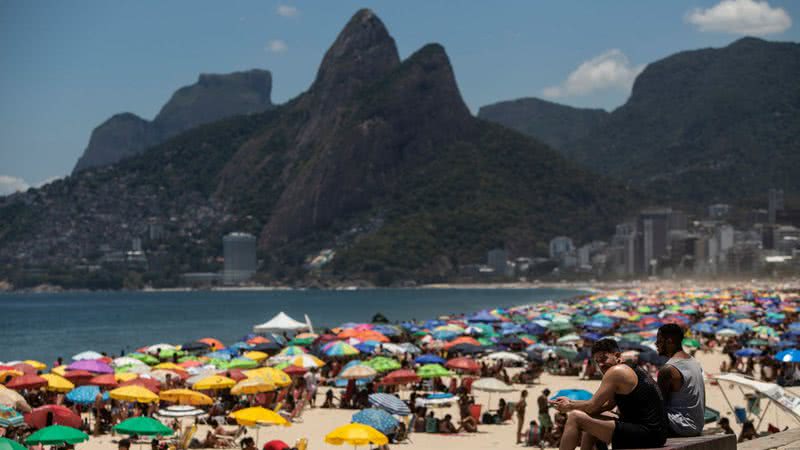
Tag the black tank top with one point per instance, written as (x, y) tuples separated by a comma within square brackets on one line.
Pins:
[(644, 404)]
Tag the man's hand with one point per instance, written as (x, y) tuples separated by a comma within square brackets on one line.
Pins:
[(562, 404)]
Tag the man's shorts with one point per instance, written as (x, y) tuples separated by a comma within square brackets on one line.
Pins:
[(634, 435)]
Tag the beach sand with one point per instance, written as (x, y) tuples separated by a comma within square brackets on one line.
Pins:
[(316, 423)]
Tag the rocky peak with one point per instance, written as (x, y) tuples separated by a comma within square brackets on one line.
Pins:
[(363, 52)]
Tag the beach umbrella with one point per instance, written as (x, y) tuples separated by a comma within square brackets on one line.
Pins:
[(376, 418), (256, 355), (757, 342), (429, 359), (390, 404), (133, 393), (258, 416), (402, 376), (252, 386), (185, 397), (195, 346), (293, 350), (87, 355), (56, 383), (7, 374), (463, 363), (8, 444), (216, 344), (26, 369), (356, 372), (26, 382), (791, 355), (158, 348), (214, 383), (85, 395), (339, 348), (90, 365), (167, 366), (143, 426), (747, 352), (275, 376), (491, 385), (126, 361), (569, 338), (294, 371), (108, 380), (241, 363), (147, 359), (150, 384), (61, 415), (13, 399), (466, 349), (78, 377), (690, 343), (180, 411), (505, 356), (38, 365), (356, 434), (432, 371), (9, 417), (572, 394), (727, 332), (306, 361), (56, 435), (383, 364)]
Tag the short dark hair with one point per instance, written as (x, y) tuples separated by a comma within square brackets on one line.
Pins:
[(672, 331), (124, 443), (605, 345)]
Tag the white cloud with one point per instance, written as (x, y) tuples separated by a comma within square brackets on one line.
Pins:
[(287, 11), (610, 70), (9, 185), (741, 17), (277, 46), (47, 181)]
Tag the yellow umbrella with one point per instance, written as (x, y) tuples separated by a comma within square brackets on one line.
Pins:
[(275, 376), (8, 374), (356, 434), (35, 364), (185, 397), (60, 370), (169, 366), (256, 356), (214, 383), (125, 376), (57, 383), (133, 394), (258, 416), (252, 386)]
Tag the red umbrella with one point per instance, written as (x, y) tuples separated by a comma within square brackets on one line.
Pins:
[(148, 383), (27, 369), (61, 416), (402, 376), (78, 377), (294, 370), (26, 382), (236, 375), (464, 363), (106, 381)]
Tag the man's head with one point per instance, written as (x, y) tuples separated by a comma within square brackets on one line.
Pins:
[(669, 339), (546, 392), (524, 394), (606, 354), (124, 444)]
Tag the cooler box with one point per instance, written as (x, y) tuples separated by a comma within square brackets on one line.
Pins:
[(475, 412)]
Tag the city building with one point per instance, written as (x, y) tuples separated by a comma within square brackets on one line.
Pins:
[(240, 264), (560, 246)]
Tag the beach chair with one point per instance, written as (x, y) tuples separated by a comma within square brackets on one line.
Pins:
[(297, 414), (186, 437), (278, 407)]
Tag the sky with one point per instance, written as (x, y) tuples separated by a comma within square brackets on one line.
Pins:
[(69, 66)]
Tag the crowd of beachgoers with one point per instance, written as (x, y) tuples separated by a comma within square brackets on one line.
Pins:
[(612, 367)]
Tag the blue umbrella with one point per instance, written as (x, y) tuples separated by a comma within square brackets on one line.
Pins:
[(221, 354), (84, 395), (429, 359), (9, 417), (483, 316), (445, 335), (747, 352), (534, 328), (790, 355), (573, 394), (360, 382), (702, 327), (389, 403), (376, 418)]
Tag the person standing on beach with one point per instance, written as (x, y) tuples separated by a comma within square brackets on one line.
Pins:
[(545, 424), (681, 384), (642, 421), (312, 381), (520, 409)]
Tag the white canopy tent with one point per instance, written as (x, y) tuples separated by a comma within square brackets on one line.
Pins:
[(782, 398), (280, 323)]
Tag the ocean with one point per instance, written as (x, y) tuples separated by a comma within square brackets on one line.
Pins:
[(46, 326)]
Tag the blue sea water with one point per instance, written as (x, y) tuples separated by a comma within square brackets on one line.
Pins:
[(45, 326)]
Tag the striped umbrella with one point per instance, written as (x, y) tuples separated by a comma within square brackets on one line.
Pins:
[(376, 418), (390, 404), (9, 417), (339, 348)]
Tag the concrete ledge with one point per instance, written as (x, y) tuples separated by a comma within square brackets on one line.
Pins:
[(712, 442), (772, 441)]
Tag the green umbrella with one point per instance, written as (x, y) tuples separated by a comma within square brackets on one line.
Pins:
[(633, 337), (566, 352), (241, 363), (433, 370), (559, 326), (691, 343), (484, 341), (56, 435), (168, 353), (8, 444), (757, 342), (302, 341), (188, 358), (147, 359), (382, 364), (144, 426)]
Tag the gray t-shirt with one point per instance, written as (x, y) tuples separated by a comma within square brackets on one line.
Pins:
[(685, 408)]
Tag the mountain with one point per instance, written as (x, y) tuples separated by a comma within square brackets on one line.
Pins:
[(212, 98), (554, 124), (379, 160), (716, 124)]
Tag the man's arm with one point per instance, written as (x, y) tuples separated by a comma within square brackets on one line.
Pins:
[(603, 398), (669, 381)]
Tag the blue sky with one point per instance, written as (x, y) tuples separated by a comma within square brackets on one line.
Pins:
[(68, 66)]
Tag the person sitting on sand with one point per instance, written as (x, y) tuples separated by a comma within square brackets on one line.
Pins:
[(532, 436), (642, 419), (748, 432), (446, 425), (431, 423), (468, 424), (328, 403), (681, 384), (419, 420), (725, 425)]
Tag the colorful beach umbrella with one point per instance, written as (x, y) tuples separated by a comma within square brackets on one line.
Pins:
[(10, 417), (433, 370), (56, 383), (252, 386), (390, 404), (133, 393), (573, 394), (275, 376), (57, 435), (214, 383), (358, 371), (402, 376), (87, 355), (791, 355), (85, 395), (383, 364), (143, 426), (26, 382), (91, 365), (185, 397), (376, 418), (258, 416), (61, 416), (356, 434), (8, 444)]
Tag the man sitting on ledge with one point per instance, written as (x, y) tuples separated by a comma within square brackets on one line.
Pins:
[(642, 421), (681, 384)]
